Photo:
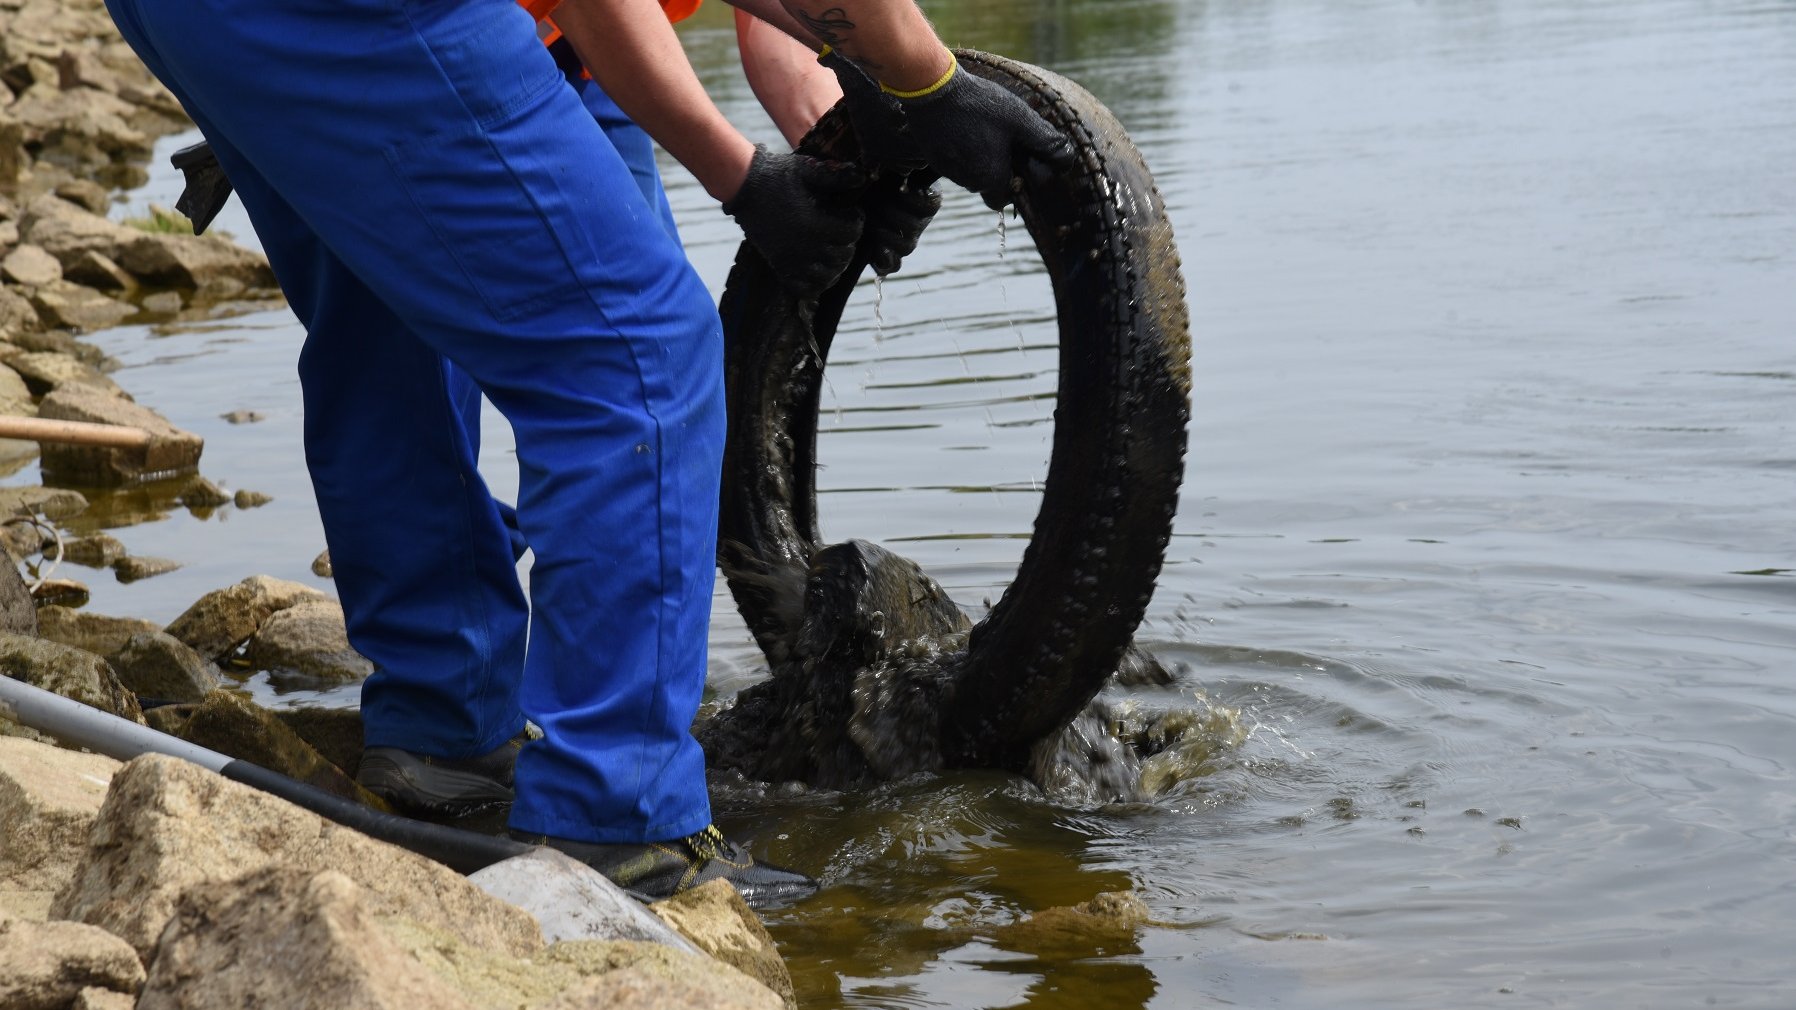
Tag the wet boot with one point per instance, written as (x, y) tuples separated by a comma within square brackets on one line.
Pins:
[(655, 870)]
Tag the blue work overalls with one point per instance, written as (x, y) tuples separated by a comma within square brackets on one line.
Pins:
[(441, 208)]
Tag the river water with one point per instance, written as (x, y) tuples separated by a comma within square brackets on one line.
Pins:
[(1486, 542)]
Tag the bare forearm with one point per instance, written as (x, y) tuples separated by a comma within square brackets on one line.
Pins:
[(785, 75), (775, 13), (890, 39), (635, 56)]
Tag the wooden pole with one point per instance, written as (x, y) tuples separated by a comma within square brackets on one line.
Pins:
[(39, 429)]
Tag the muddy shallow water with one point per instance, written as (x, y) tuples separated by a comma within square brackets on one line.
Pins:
[(1486, 543)]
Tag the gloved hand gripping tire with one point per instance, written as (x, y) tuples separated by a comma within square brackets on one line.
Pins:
[(897, 209), (802, 215), (877, 119), (975, 133)]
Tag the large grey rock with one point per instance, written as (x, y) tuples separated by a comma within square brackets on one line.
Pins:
[(308, 640), (44, 371), (96, 633), (97, 551), (230, 724), (573, 901), (30, 266), (97, 270), (155, 664), (716, 918), (172, 451), (167, 827), (86, 129), (223, 619), (67, 231), (75, 307), (46, 965), (48, 800), (192, 261), (72, 673), (50, 502), (286, 940), (243, 943)]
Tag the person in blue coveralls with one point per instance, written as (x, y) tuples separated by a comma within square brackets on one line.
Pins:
[(441, 209)]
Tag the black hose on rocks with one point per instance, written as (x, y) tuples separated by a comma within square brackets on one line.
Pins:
[(83, 726)]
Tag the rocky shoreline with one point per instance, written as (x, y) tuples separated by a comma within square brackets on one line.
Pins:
[(156, 883)]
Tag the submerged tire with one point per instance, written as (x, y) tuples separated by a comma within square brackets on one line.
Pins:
[(1112, 486)]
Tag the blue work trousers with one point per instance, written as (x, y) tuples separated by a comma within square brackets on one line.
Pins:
[(441, 208)]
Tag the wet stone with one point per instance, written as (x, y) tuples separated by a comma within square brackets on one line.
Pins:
[(50, 502), (321, 565), (24, 540), (233, 725), (251, 499), (308, 642), (62, 593), (97, 551), (1105, 923), (173, 451), (200, 493), (716, 918), (72, 673), (155, 665), (244, 416), (134, 569), (96, 633), (335, 733), (223, 619)]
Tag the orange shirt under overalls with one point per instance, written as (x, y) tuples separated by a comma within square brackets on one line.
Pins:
[(677, 10)]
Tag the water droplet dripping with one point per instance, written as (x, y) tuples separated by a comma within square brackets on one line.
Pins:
[(879, 308)]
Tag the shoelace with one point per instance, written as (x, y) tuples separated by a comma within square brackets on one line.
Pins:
[(706, 844)]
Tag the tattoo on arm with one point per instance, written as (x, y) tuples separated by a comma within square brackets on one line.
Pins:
[(831, 27), (827, 25)]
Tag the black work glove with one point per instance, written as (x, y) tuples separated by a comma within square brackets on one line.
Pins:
[(976, 133), (897, 211), (878, 121), (802, 215)]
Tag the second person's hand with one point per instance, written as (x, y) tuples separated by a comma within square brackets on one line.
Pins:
[(802, 215)]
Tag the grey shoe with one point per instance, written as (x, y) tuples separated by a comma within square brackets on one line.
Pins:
[(419, 784)]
